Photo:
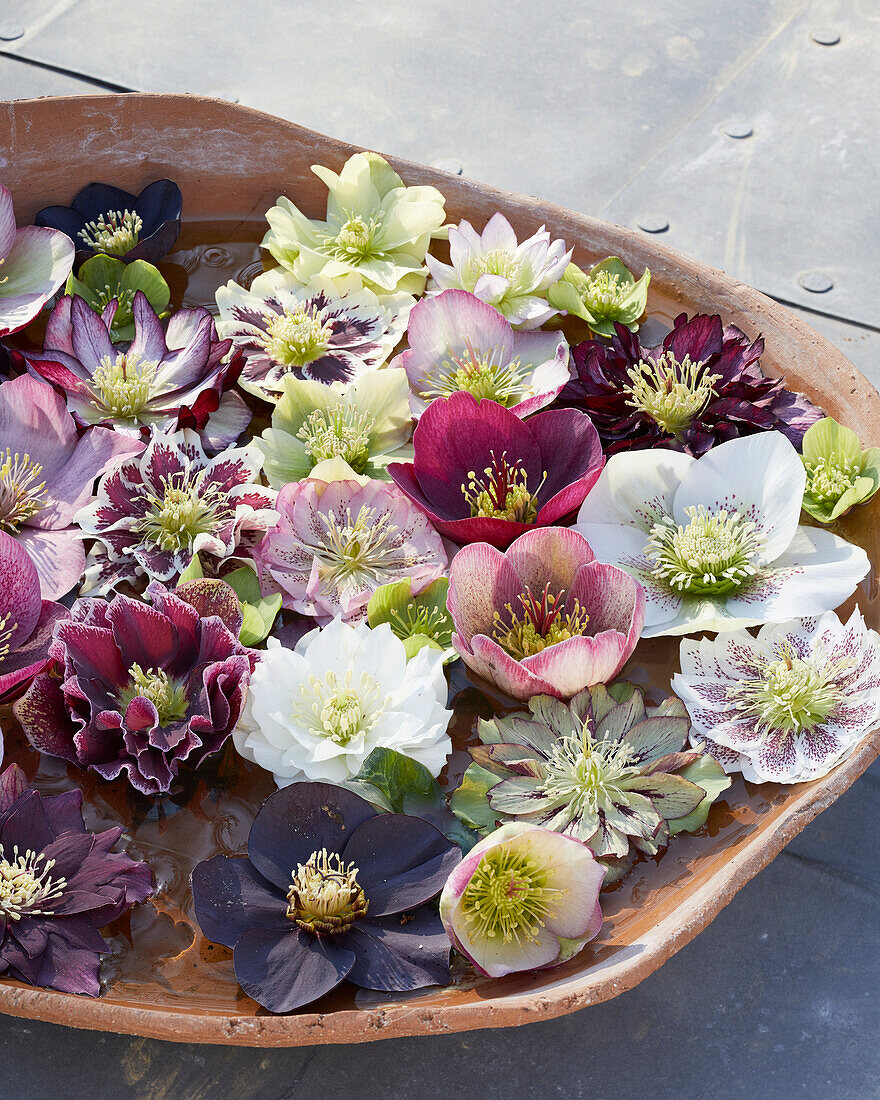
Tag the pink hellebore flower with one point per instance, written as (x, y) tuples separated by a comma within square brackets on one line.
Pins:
[(483, 475), (46, 475), (544, 618), (35, 263), (525, 898)]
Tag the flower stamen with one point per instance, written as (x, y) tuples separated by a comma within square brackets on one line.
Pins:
[(828, 480), (585, 774), (341, 432), (502, 492), (26, 888), (325, 896), (114, 233), (508, 897), (182, 512), (297, 337), (21, 494), (669, 391), (541, 623), (712, 555), (123, 386), (167, 696), (341, 709), (484, 375)]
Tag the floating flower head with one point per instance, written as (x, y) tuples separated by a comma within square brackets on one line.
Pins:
[(104, 279), (157, 381), (715, 541), (34, 263), (788, 705), (605, 769), (105, 219), (46, 475), (322, 332), (839, 473), (457, 342), (317, 711), (525, 898), (607, 293), (544, 618), (329, 891), (482, 474), (513, 278), (367, 426), (59, 885), (144, 689), (336, 542), (418, 619), (376, 228), (154, 512), (698, 388)]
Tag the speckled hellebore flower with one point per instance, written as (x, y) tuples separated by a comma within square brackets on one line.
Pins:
[(105, 219), (513, 278), (321, 331), (103, 279), (34, 263), (329, 890), (715, 541), (161, 380), (155, 511), (788, 705), (59, 885), (483, 475), (376, 228), (458, 343), (544, 618), (367, 426), (700, 387), (839, 473), (608, 292), (525, 898), (46, 475), (336, 542), (317, 711), (144, 688)]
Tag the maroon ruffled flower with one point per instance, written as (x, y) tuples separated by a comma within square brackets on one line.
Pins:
[(484, 475), (145, 688), (698, 388), (330, 890), (60, 885)]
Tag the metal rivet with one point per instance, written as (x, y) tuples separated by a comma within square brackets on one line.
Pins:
[(652, 223), (817, 282), (825, 37), (737, 129), (10, 31), (453, 167)]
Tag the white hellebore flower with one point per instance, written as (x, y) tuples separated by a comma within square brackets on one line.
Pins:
[(788, 705), (317, 711), (715, 541)]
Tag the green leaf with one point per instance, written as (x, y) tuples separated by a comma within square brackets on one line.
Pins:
[(259, 611), (140, 275), (707, 773), (246, 584), (470, 801), (193, 571)]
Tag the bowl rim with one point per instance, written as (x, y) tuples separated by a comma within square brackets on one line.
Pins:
[(813, 363)]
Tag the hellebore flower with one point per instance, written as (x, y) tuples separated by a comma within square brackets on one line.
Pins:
[(513, 278), (158, 381), (105, 219), (155, 511), (788, 705), (715, 541), (317, 711), (483, 475), (366, 426), (604, 769), (329, 890), (417, 619), (457, 342), (337, 541), (698, 388), (376, 229), (61, 884), (46, 476), (26, 622), (145, 688), (839, 473), (103, 279), (544, 618), (321, 332), (34, 262), (608, 292), (525, 898)]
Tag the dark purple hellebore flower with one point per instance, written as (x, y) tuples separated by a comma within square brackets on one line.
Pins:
[(700, 387), (59, 884), (144, 688), (105, 219), (329, 890), (484, 475)]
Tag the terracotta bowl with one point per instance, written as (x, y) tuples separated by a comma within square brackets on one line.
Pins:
[(163, 978)]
